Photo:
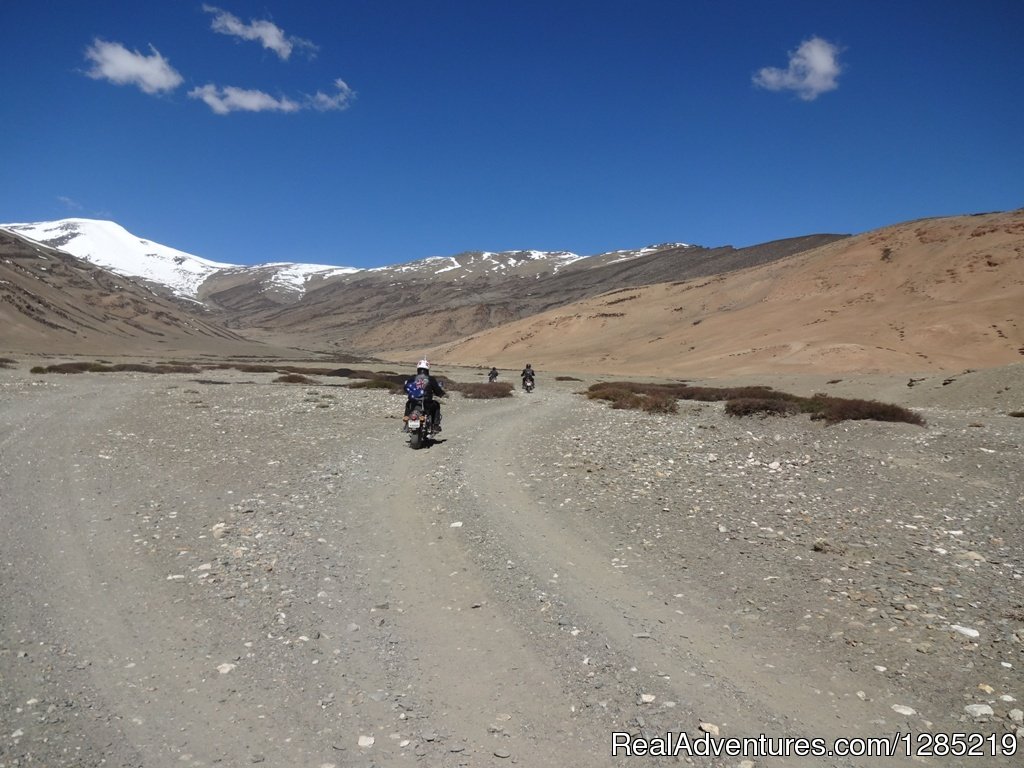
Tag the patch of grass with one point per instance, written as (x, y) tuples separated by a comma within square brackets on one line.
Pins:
[(567, 378), (1017, 414), (375, 384), (86, 367), (480, 390), (294, 378), (660, 404), (836, 409), (753, 406), (6, 362), (749, 401), (253, 368)]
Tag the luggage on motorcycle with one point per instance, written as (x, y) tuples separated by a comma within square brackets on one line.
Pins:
[(417, 386)]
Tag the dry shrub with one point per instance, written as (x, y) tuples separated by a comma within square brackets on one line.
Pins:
[(252, 368), (375, 384), (659, 404), (751, 406), (1017, 414), (308, 371), (843, 409), (294, 378), (628, 401), (480, 390), (6, 362), (567, 378), (87, 367), (748, 401)]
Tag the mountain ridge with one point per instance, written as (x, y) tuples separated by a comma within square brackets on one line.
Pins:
[(942, 293)]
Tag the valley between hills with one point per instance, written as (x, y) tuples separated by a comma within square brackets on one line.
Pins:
[(222, 568)]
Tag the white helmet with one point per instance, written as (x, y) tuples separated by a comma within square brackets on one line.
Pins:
[(423, 364)]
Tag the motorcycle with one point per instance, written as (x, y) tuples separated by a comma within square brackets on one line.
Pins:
[(492, 377), (528, 384), (419, 424)]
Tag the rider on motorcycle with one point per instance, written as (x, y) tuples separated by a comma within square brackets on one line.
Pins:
[(433, 388), (528, 374), (492, 375)]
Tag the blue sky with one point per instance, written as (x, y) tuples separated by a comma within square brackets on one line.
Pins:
[(373, 132)]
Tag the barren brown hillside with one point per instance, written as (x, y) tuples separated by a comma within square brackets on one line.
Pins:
[(929, 295), (54, 303)]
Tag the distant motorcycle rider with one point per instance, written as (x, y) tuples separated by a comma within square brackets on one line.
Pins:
[(492, 375), (528, 373), (430, 390)]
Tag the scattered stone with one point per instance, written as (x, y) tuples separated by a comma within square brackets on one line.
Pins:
[(965, 631), (974, 557), (978, 710), (225, 668), (902, 709), (366, 741), (502, 753), (709, 728)]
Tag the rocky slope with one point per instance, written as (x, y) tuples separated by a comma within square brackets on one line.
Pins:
[(938, 294), (53, 303)]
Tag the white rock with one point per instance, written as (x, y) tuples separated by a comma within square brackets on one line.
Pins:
[(1017, 716), (225, 668), (366, 741), (709, 728), (647, 698), (965, 631), (978, 710), (456, 525), (902, 709)]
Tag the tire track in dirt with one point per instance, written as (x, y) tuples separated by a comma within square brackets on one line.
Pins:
[(675, 642), (484, 688)]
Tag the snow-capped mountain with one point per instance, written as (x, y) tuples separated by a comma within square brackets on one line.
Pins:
[(109, 245), (344, 308)]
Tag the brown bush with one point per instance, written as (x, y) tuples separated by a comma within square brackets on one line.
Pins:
[(1017, 414), (93, 367), (6, 362), (751, 400), (751, 406), (294, 378), (375, 384), (480, 390), (628, 401), (252, 368), (841, 409), (660, 404)]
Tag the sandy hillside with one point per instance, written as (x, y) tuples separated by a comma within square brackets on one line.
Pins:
[(931, 295)]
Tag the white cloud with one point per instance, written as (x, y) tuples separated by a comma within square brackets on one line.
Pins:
[(813, 69), (340, 100), (271, 36), (231, 99), (115, 63), (71, 204)]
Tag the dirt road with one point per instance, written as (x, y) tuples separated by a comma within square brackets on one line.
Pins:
[(230, 571)]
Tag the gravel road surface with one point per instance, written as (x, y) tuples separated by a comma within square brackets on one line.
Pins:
[(231, 571)]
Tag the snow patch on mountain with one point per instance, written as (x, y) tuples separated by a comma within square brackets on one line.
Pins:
[(111, 246), (296, 276)]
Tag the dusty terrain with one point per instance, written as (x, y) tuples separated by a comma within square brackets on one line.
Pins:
[(932, 295), (221, 570)]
